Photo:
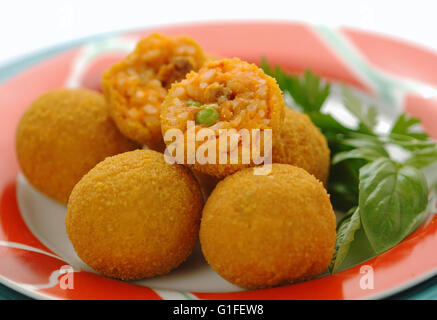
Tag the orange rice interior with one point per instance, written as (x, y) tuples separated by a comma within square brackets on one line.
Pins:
[(143, 78), (238, 90)]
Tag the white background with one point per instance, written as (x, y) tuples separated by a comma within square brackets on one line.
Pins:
[(26, 26)]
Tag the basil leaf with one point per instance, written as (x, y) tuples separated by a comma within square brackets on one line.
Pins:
[(345, 235), (366, 153), (359, 251), (392, 199), (422, 158)]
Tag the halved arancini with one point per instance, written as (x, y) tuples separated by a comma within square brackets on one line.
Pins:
[(227, 94), (136, 86)]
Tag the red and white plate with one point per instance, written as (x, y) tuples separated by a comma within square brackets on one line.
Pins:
[(34, 248)]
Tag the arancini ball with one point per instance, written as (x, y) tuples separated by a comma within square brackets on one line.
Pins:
[(266, 230), (136, 86), (227, 94), (134, 215), (62, 136), (300, 143)]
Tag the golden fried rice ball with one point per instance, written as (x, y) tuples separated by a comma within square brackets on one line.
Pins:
[(62, 136), (225, 94), (134, 215), (300, 143), (266, 230), (136, 86)]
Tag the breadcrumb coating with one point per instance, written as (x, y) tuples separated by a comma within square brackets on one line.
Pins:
[(62, 136), (265, 230), (300, 143), (134, 216)]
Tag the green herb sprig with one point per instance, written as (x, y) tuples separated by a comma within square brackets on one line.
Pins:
[(386, 198)]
